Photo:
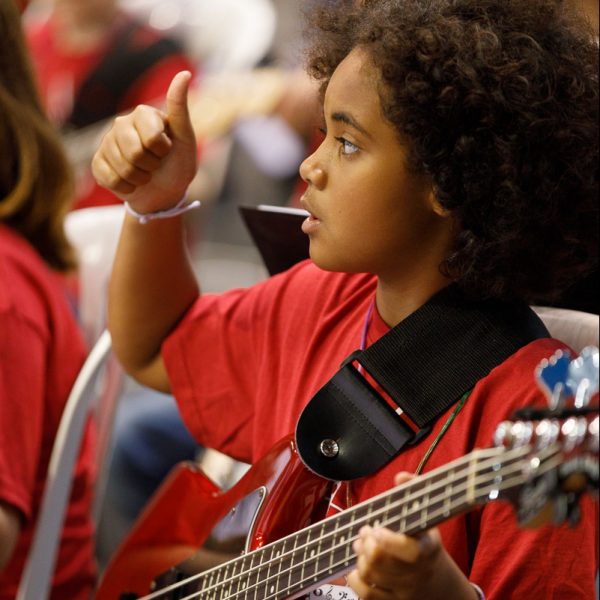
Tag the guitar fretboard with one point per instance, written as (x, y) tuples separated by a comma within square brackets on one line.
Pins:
[(319, 553)]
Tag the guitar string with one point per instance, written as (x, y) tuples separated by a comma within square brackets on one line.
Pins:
[(268, 563), (462, 463), (329, 571), (369, 516), (485, 464)]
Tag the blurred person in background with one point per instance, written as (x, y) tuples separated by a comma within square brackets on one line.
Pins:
[(41, 349), (93, 60)]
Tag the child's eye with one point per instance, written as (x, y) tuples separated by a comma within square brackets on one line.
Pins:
[(346, 146)]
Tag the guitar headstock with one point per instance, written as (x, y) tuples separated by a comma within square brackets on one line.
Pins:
[(553, 453)]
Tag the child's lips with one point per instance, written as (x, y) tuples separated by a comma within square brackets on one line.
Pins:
[(310, 224)]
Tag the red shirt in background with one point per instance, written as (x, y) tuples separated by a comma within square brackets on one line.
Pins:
[(41, 352), (60, 75)]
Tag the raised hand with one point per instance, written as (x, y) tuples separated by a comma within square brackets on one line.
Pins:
[(149, 157)]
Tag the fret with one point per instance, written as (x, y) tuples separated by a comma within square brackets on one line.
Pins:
[(318, 553), (386, 509), (284, 563), (266, 578), (211, 581), (470, 495), (271, 582), (225, 586), (262, 581), (218, 594), (308, 564), (361, 514), (416, 504), (348, 537), (448, 492), (403, 511), (339, 556), (335, 544), (425, 508), (200, 585), (293, 579), (243, 577), (254, 574)]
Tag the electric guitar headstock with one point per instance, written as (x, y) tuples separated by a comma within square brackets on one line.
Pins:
[(555, 448)]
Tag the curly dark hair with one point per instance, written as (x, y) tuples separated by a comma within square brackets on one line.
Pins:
[(498, 100)]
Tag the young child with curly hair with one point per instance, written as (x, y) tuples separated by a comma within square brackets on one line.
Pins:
[(459, 153)]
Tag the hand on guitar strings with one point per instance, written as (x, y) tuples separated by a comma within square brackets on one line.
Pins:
[(391, 565)]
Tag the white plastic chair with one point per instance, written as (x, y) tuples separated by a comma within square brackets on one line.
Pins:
[(85, 395), (573, 327), (94, 232)]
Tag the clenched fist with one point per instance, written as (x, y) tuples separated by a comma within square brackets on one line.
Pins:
[(149, 157)]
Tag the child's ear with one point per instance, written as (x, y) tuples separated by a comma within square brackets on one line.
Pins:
[(437, 208)]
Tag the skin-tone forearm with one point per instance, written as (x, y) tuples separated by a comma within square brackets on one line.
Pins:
[(148, 158), (153, 272)]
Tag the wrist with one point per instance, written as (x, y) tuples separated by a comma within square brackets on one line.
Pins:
[(181, 207)]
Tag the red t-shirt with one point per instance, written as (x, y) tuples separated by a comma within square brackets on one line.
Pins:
[(60, 74), (268, 349), (41, 352)]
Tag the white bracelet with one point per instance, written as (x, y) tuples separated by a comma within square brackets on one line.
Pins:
[(480, 594), (181, 207)]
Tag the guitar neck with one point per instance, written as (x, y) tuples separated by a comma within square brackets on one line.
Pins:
[(322, 551)]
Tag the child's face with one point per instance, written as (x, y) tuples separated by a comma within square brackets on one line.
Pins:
[(368, 212)]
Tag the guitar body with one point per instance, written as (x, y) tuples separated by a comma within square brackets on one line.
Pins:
[(194, 525)]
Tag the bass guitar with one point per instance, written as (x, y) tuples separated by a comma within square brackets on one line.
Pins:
[(264, 538)]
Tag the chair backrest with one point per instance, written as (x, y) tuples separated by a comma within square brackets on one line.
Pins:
[(94, 232), (573, 327), (88, 387)]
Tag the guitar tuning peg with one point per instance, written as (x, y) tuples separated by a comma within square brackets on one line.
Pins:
[(546, 433), (574, 432), (503, 435), (552, 377), (583, 377), (521, 433)]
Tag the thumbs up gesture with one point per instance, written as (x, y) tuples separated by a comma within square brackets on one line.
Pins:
[(148, 157)]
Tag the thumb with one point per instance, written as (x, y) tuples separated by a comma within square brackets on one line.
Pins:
[(178, 114), (403, 477)]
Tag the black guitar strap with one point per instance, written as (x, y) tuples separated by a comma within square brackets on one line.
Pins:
[(424, 364), (101, 93)]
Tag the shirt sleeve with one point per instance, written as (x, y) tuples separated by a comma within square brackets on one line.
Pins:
[(22, 365), (213, 359)]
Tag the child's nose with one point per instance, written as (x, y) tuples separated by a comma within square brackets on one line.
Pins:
[(312, 172)]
